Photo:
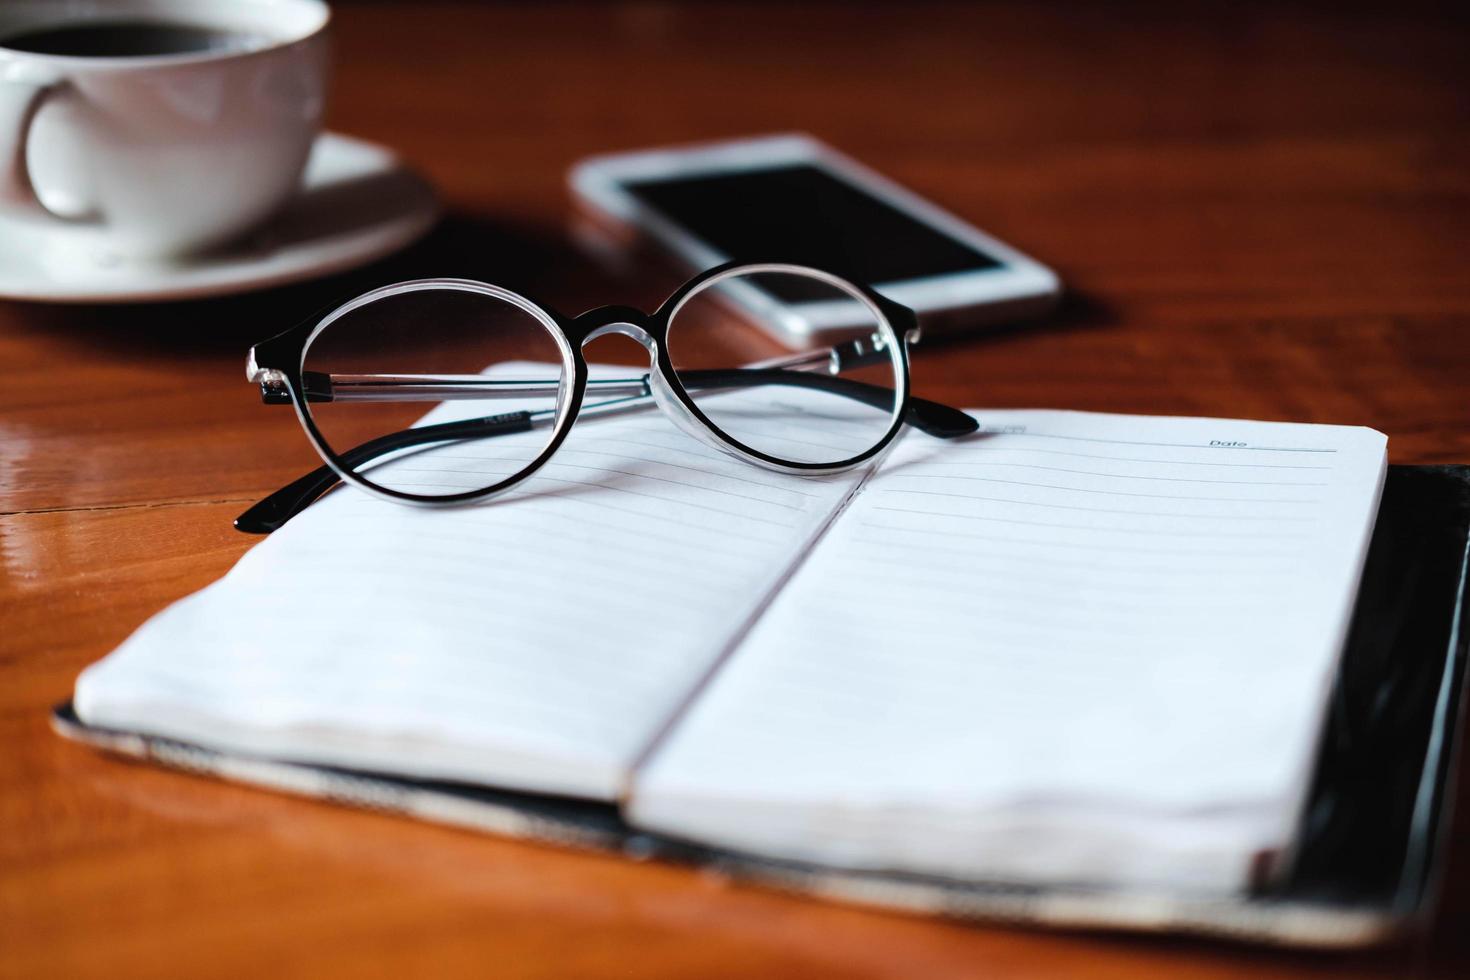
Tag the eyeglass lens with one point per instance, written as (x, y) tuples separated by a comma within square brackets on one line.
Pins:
[(378, 356), (794, 416)]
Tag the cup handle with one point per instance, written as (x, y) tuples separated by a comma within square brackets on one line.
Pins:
[(20, 99)]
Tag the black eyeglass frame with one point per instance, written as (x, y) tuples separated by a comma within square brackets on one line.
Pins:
[(279, 363)]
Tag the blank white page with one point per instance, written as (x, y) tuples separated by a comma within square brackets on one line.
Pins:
[(1078, 648), (535, 641)]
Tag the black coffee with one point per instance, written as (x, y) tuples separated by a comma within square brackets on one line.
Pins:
[(127, 38)]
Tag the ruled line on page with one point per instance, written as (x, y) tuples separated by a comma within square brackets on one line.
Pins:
[(1133, 442), (614, 488), (1132, 476), (1092, 509), (919, 548), (637, 536), (535, 539), (703, 471), (1167, 532), (1115, 493), (1002, 605), (447, 464), (1085, 545), (1001, 577), (451, 568), (962, 450)]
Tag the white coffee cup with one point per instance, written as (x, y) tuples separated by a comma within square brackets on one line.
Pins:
[(158, 154)]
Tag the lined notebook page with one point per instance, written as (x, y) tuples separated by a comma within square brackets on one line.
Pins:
[(1080, 647), (535, 641)]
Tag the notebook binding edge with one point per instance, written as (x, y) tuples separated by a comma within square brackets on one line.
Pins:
[(1260, 920)]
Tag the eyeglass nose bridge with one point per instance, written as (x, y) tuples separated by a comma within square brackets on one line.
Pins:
[(625, 320), (634, 323)]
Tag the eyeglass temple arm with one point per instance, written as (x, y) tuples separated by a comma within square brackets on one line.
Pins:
[(277, 508), (322, 387), (931, 417)]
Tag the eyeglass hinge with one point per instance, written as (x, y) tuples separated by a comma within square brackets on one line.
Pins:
[(858, 352), (273, 390)]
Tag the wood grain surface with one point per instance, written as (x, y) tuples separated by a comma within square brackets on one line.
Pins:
[(1261, 210)]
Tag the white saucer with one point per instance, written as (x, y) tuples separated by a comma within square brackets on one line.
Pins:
[(358, 203)]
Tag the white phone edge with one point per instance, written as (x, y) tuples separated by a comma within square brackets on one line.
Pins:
[(1017, 289)]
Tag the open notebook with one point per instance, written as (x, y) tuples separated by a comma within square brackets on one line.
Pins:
[(1075, 650)]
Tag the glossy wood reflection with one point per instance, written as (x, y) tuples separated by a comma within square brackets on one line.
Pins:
[(1262, 212)]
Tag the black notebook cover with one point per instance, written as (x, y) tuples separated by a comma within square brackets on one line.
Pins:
[(1364, 869)]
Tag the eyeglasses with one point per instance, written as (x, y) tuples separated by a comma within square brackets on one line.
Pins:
[(353, 375)]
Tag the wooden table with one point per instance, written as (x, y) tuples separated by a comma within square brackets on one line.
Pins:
[(1260, 212)]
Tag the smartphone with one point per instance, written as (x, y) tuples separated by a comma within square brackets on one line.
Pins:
[(795, 199)]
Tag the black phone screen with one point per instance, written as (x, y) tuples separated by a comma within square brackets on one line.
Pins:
[(805, 214)]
